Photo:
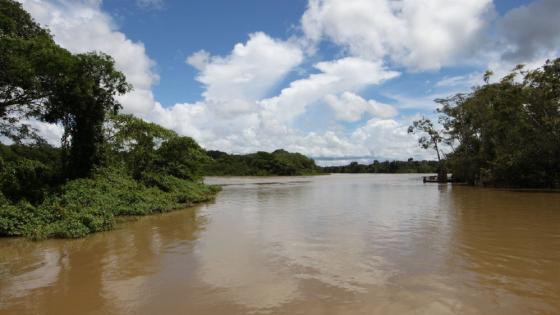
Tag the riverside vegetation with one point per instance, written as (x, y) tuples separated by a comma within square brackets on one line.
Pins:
[(108, 165), (504, 134), (279, 162), (386, 167)]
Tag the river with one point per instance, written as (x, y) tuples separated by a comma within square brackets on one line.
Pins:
[(337, 244)]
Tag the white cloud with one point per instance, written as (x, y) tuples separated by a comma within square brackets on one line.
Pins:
[(249, 72), (351, 107), (50, 132), (81, 26), (245, 123), (150, 4), (462, 81), (237, 111), (419, 34), (346, 74), (531, 31), (199, 59), (389, 138), (234, 114)]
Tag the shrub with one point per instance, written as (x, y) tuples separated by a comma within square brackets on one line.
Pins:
[(89, 205)]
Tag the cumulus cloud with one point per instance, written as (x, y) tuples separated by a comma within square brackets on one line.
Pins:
[(531, 31), (81, 26), (249, 71), (266, 124), (418, 34), (238, 112), (345, 74), (388, 138), (351, 107), (199, 59)]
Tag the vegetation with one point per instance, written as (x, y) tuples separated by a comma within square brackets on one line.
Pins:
[(430, 138), (391, 167), (88, 205), (279, 162), (108, 165), (506, 133)]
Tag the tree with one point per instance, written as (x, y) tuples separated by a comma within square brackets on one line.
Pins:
[(41, 80), (181, 157), (150, 151), (31, 65), (80, 103), (135, 141), (430, 139), (508, 132)]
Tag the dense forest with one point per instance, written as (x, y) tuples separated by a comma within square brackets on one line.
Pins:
[(389, 167), (108, 164), (501, 134), (279, 162)]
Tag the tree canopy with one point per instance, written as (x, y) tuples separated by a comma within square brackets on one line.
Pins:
[(40, 80), (508, 132)]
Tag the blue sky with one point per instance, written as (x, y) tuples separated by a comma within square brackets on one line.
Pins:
[(327, 78), (172, 30)]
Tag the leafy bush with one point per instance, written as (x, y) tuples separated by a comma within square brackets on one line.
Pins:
[(90, 205)]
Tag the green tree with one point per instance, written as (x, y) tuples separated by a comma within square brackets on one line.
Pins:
[(39, 79), (181, 157), (508, 132), (430, 138), (81, 103), (135, 142), (31, 65)]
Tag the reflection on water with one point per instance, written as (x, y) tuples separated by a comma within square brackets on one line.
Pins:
[(339, 244)]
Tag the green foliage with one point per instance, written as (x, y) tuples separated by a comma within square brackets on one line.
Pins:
[(80, 104), (14, 21), (181, 157), (146, 147), (28, 172), (430, 138), (34, 201), (390, 167), (39, 79), (109, 165), (91, 205), (279, 162), (508, 132), (31, 65), (134, 141)]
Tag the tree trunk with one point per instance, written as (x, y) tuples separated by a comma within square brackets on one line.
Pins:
[(442, 172)]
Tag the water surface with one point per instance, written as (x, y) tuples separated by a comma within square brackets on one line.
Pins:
[(338, 244)]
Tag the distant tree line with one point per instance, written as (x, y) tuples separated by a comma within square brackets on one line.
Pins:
[(279, 162), (389, 167), (505, 133)]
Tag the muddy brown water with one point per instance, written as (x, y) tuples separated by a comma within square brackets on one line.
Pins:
[(338, 244)]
